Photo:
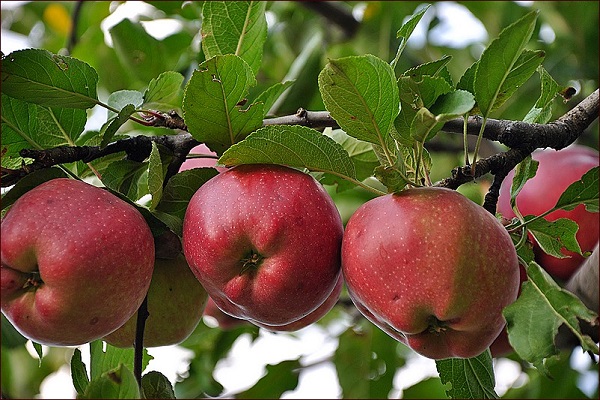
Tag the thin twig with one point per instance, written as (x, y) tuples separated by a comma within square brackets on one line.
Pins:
[(74, 37)]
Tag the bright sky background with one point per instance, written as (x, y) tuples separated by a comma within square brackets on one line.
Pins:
[(245, 364)]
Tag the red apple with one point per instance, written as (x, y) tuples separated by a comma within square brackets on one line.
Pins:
[(556, 171), (264, 241), (432, 269), (221, 320), (314, 316), (176, 302), (76, 262)]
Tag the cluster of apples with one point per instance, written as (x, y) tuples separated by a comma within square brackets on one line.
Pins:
[(266, 245)]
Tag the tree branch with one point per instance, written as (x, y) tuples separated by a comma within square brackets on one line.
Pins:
[(336, 13), (521, 137)]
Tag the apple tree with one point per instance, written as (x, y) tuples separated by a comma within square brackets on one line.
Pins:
[(363, 171)]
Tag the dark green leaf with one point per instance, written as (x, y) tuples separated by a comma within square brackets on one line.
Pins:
[(180, 189), (126, 177), (524, 172), (79, 373), (234, 27), (534, 318), (498, 59), (552, 236), (583, 191), (212, 103), (279, 379), (110, 128), (11, 338), (296, 146), (362, 96), (40, 77), (158, 162), (470, 378), (157, 386)]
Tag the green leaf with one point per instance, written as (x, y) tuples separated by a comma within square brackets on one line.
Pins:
[(296, 146), (30, 181), (470, 378), (126, 177), (272, 94), (79, 373), (525, 170), (40, 77), (38, 350), (180, 189), (432, 68), (429, 388), (158, 162), (118, 383), (279, 379), (524, 67), (366, 361), (211, 103), (103, 360), (552, 236), (110, 128), (452, 105), (234, 27), (361, 94), (406, 30), (157, 386), (122, 98), (11, 338), (422, 92), (140, 53), (583, 191), (498, 59), (422, 127), (19, 130), (362, 155), (541, 112), (163, 90), (534, 318), (26, 125)]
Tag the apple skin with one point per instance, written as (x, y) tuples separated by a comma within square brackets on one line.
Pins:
[(264, 241), (556, 171), (432, 269), (314, 316), (93, 252), (176, 302)]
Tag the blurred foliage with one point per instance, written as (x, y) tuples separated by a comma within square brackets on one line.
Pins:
[(298, 46)]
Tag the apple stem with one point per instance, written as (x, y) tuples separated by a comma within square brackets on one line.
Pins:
[(435, 325), (138, 344), (251, 262), (33, 282)]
